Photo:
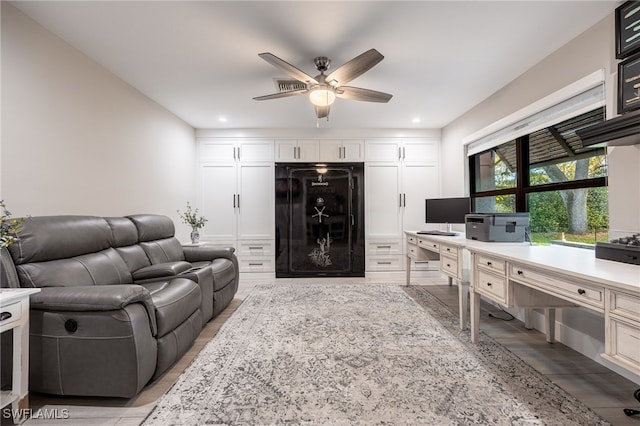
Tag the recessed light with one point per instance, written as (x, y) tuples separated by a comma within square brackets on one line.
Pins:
[(222, 119), (416, 120)]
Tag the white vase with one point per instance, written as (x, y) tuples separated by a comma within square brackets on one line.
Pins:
[(195, 235)]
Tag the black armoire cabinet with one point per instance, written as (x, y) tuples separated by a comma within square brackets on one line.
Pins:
[(319, 219)]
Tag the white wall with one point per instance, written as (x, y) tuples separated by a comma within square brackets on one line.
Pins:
[(591, 51), (78, 140)]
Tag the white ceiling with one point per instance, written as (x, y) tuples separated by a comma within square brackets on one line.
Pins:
[(200, 59)]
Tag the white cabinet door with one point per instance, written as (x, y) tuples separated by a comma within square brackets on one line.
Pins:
[(419, 182), (308, 151), (383, 211), (330, 150), (382, 150), (217, 200), (286, 151), (252, 150), (256, 201), (353, 151), (420, 151), (216, 150)]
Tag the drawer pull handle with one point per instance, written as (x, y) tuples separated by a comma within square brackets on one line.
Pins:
[(448, 249), (256, 248), (488, 263), (581, 291), (448, 265), (5, 316), (520, 272), (435, 245), (255, 264), (489, 284), (384, 263), (384, 247)]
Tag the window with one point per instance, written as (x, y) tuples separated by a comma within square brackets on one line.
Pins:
[(550, 174)]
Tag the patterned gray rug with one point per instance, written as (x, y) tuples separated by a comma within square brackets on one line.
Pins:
[(358, 354)]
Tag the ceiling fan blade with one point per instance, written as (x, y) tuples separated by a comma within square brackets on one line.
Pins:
[(359, 94), (288, 68), (280, 95), (355, 67), (322, 112)]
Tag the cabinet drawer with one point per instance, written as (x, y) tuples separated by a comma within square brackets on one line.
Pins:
[(449, 265), (255, 248), (255, 264), (429, 245), (13, 313), (492, 264), (625, 305), (385, 263), (492, 285), (448, 250), (578, 292), (412, 239), (384, 247), (625, 343)]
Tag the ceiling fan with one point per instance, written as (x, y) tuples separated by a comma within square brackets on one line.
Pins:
[(324, 89)]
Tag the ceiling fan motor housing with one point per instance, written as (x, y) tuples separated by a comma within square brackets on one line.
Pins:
[(322, 63)]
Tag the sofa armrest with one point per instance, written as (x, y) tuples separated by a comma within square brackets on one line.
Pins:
[(94, 298), (200, 254), (160, 270)]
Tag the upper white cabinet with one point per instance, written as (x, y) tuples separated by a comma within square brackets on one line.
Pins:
[(404, 150), (303, 151), (213, 150), (336, 150)]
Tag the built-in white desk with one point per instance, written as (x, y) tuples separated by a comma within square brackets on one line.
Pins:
[(453, 263), (548, 277), (560, 276)]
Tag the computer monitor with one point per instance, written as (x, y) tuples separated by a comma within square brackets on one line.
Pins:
[(447, 210)]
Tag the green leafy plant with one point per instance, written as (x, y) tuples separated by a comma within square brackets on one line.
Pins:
[(192, 218), (9, 227)]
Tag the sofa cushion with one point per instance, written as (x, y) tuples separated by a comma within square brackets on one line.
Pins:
[(46, 238), (152, 226), (101, 268), (164, 250), (123, 230), (175, 301)]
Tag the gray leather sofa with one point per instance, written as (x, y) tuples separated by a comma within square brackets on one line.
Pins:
[(121, 299)]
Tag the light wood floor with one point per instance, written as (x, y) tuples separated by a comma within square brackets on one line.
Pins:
[(604, 391)]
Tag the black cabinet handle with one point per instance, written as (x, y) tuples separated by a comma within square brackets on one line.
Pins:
[(581, 291), (5, 316), (520, 272), (488, 263), (489, 284)]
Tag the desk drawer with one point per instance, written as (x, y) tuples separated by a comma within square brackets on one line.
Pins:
[(492, 285), (492, 264), (578, 292), (412, 239), (449, 265), (429, 245), (13, 313), (416, 253), (625, 305), (448, 250)]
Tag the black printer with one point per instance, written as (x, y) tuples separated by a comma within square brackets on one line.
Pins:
[(497, 227)]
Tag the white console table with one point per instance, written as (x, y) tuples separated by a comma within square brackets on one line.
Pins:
[(14, 308), (559, 276)]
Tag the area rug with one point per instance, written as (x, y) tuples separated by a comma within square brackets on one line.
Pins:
[(358, 354)]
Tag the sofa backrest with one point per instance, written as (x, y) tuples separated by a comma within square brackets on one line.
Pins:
[(156, 237), (54, 251), (125, 241)]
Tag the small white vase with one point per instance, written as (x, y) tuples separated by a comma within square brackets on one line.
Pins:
[(195, 235)]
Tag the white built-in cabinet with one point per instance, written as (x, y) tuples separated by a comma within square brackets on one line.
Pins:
[(324, 150), (399, 175), (236, 192), (236, 195)]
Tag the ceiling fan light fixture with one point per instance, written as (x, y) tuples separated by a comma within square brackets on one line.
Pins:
[(322, 96)]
